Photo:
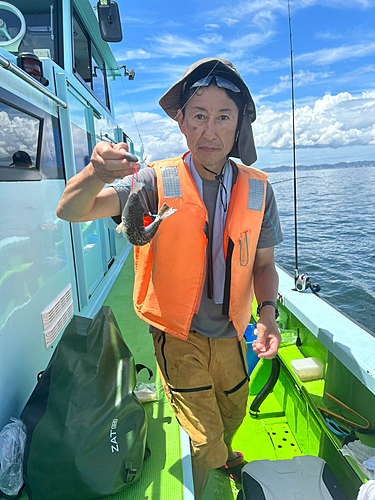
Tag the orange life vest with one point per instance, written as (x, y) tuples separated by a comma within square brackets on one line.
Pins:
[(170, 270)]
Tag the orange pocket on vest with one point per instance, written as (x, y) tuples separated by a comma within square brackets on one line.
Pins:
[(244, 248)]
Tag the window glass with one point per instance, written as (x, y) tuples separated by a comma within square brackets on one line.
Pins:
[(98, 75), (40, 34), (30, 142), (88, 64), (18, 138), (81, 42)]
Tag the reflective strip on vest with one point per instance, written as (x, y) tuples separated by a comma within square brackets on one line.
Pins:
[(256, 194), (171, 182)]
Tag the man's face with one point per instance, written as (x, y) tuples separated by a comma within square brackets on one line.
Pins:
[(210, 125)]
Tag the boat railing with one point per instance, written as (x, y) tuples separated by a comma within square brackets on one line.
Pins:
[(6, 64)]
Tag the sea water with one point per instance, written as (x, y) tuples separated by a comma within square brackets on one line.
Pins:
[(335, 234)]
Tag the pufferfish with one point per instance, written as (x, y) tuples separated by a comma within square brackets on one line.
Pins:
[(132, 223)]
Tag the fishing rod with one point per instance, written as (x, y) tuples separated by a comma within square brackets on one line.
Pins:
[(294, 148), (301, 281)]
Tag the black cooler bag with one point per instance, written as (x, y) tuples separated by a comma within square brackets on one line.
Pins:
[(86, 431)]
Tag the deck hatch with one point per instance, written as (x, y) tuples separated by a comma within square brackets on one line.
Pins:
[(57, 314)]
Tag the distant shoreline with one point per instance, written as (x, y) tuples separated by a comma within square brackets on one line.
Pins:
[(343, 164)]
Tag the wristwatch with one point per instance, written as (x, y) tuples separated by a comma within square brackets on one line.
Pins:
[(268, 303)]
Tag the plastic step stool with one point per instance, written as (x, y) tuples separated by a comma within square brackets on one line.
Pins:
[(303, 478)]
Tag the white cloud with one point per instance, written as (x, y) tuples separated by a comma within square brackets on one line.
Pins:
[(171, 146), (175, 46), (144, 88), (240, 45), (354, 75), (330, 56), (210, 27), (138, 21), (161, 136), (18, 133), (132, 54), (146, 118), (334, 121), (211, 38), (172, 24), (370, 94), (246, 7), (300, 78), (229, 21), (328, 35)]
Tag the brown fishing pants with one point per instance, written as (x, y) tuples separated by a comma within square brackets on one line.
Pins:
[(206, 382)]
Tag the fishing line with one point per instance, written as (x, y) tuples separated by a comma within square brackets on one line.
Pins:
[(131, 109), (130, 186), (304, 177)]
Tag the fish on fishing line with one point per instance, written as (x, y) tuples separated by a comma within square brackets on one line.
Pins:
[(132, 222)]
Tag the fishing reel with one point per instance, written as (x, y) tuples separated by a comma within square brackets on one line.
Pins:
[(302, 283)]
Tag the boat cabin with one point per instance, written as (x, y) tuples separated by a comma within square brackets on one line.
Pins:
[(55, 104)]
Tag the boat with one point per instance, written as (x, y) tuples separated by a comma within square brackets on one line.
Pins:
[(55, 104)]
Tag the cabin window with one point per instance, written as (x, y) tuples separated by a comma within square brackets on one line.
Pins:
[(41, 34), (89, 67), (98, 76), (30, 144), (81, 47)]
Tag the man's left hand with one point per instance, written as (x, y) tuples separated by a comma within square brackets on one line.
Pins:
[(268, 339)]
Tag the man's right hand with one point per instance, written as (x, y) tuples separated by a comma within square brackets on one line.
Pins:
[(84, 198), (108, 161)]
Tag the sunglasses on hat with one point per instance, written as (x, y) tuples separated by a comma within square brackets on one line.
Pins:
[(220, 82)]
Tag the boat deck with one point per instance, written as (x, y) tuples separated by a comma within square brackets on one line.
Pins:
[(167, 472)]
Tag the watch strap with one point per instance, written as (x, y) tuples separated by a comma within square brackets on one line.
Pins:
[(268, 303)]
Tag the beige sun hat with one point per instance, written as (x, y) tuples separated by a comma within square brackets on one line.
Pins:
[(244, 146)]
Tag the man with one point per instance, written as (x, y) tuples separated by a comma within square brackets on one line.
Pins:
[(193, 282)]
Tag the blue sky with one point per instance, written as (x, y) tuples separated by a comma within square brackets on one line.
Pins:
[(334, 64)]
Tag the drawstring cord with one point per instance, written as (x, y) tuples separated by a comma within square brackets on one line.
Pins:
[(220, 178)]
